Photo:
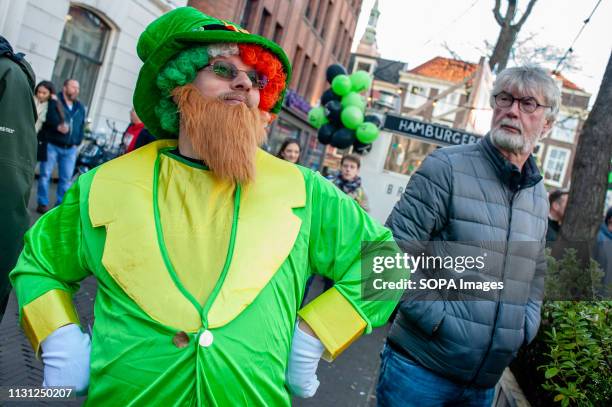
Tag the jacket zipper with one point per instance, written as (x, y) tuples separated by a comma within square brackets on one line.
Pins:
[(70, 134), (486, 354)]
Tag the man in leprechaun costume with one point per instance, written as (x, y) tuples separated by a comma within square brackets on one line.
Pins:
[(201, 247)]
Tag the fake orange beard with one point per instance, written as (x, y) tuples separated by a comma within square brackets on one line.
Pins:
[(224, 136)]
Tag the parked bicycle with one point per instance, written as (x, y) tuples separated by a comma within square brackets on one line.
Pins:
[(97, 148)]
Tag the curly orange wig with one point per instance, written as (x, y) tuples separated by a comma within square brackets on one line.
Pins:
[(266, 63)]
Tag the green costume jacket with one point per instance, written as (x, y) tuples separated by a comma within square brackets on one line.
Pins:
[(146, 346)]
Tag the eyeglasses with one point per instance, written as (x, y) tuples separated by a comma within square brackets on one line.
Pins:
[(229, 72), (527, 104)]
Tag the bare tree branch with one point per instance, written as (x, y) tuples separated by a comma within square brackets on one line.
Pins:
[(487, 48), (510, 13), (528, 51), (497, 13), (453, 54), (521, 42), (505, 46), (526, 13)]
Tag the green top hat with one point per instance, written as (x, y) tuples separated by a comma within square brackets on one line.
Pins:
[(175, 31)]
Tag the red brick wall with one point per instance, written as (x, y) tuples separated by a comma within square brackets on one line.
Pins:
[(224, 9), (297, 30)]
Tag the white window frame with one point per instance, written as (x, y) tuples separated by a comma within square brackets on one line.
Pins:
[(364, 61), (420, 98), (549, 152), (384, 94), (369, 65), (448, 103)]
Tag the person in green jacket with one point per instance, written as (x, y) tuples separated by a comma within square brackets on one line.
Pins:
[(17, 158), (201, 242)]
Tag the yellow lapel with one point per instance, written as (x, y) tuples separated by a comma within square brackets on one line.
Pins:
[(121, 200), (267, 230)]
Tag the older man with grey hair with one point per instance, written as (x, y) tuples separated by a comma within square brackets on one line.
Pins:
[(451, 346)]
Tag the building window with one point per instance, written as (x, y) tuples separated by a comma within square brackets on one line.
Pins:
[(314, 152), (362, 66), (304, 75), (247, 17), (406, 154), (81, 51), (565, 128), (416, 96), (278, 33), (387, 99), (346, 49), (297, 64), (310, 7), (328, 14), (555, 165), (339, 39), (281, 131), (445, 105), (311, 82), (264, 24), (319, 13)]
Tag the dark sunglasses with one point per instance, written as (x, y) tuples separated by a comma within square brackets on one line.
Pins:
[(226, 70)]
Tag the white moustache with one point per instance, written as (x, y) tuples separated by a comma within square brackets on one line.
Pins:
[(512, 123)]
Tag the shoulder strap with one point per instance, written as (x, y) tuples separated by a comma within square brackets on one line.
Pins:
[(6, 50)]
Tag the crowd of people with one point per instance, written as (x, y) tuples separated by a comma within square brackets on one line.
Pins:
[(347, 179), (178, 295), (206, 308), (60, 135)]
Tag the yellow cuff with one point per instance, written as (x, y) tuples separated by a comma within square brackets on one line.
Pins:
[(335, 321), (45, 314)]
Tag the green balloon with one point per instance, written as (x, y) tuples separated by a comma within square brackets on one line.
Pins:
[(360, 81), (367, 132), (316, 117), (341, 85), (353, 99), (351, 117)]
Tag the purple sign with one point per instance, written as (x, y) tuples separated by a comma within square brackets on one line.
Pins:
[(295, 101)]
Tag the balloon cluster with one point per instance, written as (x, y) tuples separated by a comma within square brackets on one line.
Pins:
[(340, 118)]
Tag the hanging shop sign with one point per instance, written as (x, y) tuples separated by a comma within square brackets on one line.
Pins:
[(430, 132)]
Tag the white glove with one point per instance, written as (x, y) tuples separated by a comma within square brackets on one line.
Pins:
[(301, 375), (65, 356)]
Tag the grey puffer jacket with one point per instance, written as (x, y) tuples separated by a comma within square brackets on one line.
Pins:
[(471, 194)]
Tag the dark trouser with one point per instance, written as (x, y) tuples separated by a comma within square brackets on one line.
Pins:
[(403, 382)]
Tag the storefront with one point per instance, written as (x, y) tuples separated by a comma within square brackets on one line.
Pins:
[(398, 152), (292, 122), (91, 41), (413, 140)]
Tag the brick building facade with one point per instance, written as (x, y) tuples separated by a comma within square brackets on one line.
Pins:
[(314, 34)]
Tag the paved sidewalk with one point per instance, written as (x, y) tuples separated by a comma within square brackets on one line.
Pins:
[(18, 365), (347, 382)]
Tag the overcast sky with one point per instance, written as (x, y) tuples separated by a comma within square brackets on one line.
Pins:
[(413, 31)]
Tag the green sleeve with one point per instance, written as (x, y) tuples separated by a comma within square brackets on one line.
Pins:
[(338, 228), (49, 269)]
